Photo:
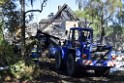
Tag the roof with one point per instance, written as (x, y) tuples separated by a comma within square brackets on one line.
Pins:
[(48, 20), (70, 12)]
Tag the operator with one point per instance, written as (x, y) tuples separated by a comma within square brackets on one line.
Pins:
[(35, 55), (83, 37)]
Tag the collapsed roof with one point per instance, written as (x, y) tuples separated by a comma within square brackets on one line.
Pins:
[(63, 14)]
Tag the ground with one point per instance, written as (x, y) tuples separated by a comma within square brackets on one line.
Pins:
[(47, 73), (50, 75)]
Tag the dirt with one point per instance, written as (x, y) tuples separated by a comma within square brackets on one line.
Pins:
[(50, 75)]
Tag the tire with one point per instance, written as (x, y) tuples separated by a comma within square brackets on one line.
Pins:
[(58, 61), (102, 72), (71, 66)]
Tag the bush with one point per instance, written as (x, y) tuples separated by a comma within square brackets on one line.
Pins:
[(18, 68), (21, 71), (7, 55)]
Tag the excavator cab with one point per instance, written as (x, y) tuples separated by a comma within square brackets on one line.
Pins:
[(77, 36)]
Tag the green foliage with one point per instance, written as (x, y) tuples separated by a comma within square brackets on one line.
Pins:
[(117, 30), (21, 71), (80, 14), (99, 12), (3, 2), (7, 55), (94, 25), (18, 68), (1, 29), (109, 31), (10, 15)]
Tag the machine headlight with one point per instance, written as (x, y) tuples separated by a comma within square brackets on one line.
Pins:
[(78, 52), (53, 50)]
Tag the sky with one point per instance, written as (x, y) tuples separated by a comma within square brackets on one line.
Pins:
[(51, 6)]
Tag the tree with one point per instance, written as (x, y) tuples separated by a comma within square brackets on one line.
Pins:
[(79, 2), (1, 21), (120, 18), (94, 22), (2, 2), (10, 15), (23, 21), (102, 10)]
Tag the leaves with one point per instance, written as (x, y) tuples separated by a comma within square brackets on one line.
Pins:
[(100, 11), (21, 70), (10, 15), (2, 2)]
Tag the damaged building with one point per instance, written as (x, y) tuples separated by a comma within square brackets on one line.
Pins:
[(62, 21)]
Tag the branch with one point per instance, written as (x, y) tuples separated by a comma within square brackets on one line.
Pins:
[(107, 18), (36, 10), (33, 11)]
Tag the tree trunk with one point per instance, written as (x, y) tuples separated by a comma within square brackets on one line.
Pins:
[(102, 28), (2, 32), (102, 35), (23, 47), (23, 29)]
